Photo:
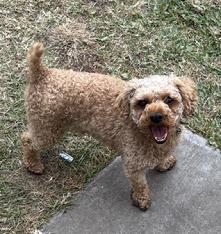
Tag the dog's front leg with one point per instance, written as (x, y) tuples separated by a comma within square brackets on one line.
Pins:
[(140, 193), (166, 164)]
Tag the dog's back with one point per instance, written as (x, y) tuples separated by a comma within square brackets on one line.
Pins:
[(64, 98)]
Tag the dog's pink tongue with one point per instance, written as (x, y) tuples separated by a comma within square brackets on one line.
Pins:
[(159, 132)]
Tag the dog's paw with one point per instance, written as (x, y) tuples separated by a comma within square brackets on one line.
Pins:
[(140, 200), (36, 168), (167, 164)]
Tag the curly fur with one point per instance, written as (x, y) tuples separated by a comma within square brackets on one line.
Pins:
[(106, 108)]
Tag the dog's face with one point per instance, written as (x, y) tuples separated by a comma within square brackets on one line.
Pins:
[(157, 103)]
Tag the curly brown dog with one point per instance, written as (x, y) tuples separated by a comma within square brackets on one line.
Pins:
[(139, 118)]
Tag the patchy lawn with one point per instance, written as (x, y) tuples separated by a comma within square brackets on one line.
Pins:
[(126, 38)]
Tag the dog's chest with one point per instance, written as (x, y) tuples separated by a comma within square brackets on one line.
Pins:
[(148, 156)]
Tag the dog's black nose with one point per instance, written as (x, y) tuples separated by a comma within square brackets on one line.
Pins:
[(156, 117)]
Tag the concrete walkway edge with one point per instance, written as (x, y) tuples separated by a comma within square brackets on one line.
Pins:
[(186, 199)]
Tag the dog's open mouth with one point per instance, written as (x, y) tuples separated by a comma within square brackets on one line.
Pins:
[(159, 133)]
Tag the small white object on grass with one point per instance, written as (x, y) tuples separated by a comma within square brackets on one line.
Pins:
[(63, 155)]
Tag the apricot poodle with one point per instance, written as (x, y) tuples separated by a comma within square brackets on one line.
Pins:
[(140, 119)]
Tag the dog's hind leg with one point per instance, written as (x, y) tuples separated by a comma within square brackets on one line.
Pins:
[(34, 141), (31, 156)]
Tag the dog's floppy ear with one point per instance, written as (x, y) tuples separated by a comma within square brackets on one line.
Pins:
[(187, 89), (123, 99)]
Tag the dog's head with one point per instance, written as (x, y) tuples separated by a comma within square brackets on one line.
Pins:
[(157, 103)]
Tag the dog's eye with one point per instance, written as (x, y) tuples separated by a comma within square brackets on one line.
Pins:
[(168, 100), (142, 103)]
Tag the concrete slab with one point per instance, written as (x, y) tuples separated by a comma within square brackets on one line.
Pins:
[(186, 199)]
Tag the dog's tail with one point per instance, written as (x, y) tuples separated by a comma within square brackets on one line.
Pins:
[(34, 57)]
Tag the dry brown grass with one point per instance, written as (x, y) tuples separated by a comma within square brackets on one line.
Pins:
[(75, 46)]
